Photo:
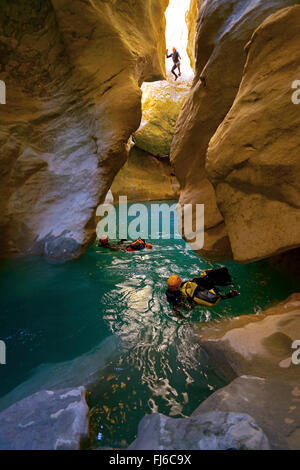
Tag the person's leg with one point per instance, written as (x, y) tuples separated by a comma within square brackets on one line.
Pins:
[(179, 70), (173, 71)]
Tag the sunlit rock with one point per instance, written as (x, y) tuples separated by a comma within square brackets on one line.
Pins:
[(207, 431), (145, 178), (191, 21), (162, 102)]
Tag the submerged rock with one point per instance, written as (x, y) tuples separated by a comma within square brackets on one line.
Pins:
[(72, 71), (206, 431), (47, 420), (224, 27)]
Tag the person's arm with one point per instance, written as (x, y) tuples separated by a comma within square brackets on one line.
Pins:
[(230, 294), (168, 56)]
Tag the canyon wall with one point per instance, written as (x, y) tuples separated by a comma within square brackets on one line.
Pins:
[(224, 29), (253, 158), (72, 70), (191, 21)]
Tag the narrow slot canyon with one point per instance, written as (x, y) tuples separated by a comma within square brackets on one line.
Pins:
[(118, 115)]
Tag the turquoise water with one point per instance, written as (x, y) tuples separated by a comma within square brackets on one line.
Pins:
[(59, 313)]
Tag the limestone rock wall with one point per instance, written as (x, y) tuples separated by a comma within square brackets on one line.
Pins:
[(224, 27), (191, 21), (72, 70), (253, 158), (145, 178), (161, 105), (258, 353)]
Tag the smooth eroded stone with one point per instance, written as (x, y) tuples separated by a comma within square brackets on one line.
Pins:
[(206, 431), (145, 178), (161, 104), (273, 404), (47, 420), (253, 158), (73, 71), (224, 27), (258, 345)]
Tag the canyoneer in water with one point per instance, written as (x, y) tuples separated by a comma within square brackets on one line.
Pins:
[(139, 244), (104, 242), (176, 59), (202, 290), (123, 245)]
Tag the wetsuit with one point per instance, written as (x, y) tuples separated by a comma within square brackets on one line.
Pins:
[(202, 290)]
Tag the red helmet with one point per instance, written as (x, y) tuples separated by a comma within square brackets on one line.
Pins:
[(103, 240)]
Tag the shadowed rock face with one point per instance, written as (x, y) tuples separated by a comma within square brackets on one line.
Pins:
[(223, 30), (161, 105), (191, 20), (72, 70), (47, 420), (274, 406), (258, 353)]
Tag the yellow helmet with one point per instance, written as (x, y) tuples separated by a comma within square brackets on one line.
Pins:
[(174, 282)]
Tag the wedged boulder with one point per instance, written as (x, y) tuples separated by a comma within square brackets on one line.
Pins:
[(161, 104), (145, 178), (72, 71), (253, 158), (47, 420), (274, 405), (258, 345), (206, 431), (224, 27)]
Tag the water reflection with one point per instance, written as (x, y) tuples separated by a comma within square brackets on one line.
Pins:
[(161, 367)]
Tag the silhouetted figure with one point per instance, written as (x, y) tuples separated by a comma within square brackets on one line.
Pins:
[(176, 59)]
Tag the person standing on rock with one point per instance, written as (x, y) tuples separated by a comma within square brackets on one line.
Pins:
[(176, 59)]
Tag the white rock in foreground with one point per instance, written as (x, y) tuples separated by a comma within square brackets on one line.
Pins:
[(47, 420), (207, 431)]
